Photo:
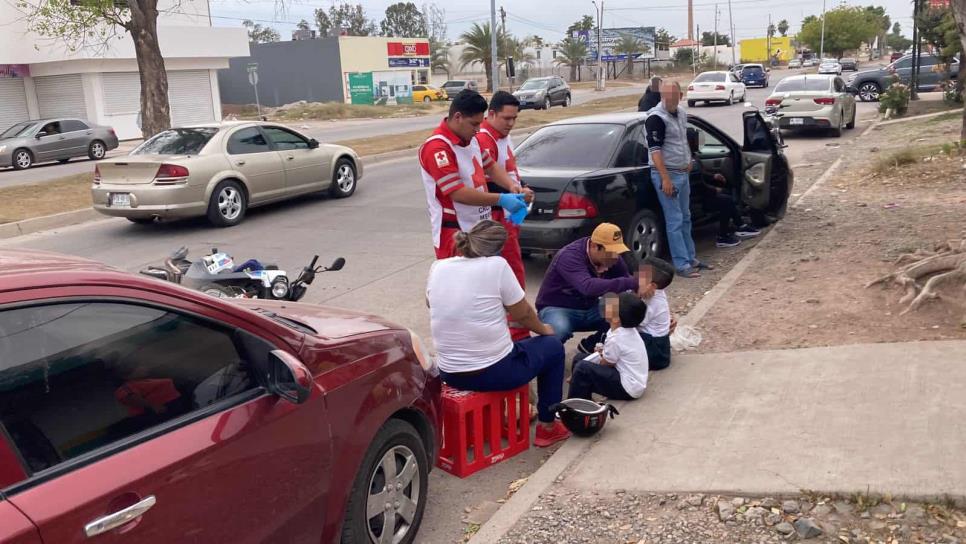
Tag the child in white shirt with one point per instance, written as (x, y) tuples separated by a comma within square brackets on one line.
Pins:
[(658, 324), (621, 370)]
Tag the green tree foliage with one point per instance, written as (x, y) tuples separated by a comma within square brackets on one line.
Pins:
[(477, 49), (571, 53), (937, 26), (439, 57), (783, 27), (585, 24), (260, 34), (631, 46), (347, 18), (846, 28), (707, 38), (664, 39), (404, 20), (302, 25)]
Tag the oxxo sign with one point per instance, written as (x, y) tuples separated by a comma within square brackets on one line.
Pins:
[(408, 54)]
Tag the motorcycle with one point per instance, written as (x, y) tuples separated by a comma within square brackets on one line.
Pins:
[(216, 275)]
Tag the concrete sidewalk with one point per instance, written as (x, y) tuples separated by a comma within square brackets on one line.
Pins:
[(882, 418)]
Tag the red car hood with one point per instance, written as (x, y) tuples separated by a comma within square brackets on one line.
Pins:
[(328, 322)]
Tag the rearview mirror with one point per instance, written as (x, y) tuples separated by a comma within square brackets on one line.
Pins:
[(313, 144), (41, 134), (337, 265), (288, 377)]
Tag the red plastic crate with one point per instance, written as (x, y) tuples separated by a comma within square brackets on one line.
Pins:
[(482, 429)]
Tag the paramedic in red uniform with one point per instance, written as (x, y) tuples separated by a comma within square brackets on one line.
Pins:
[(454, 172), (494, 139)]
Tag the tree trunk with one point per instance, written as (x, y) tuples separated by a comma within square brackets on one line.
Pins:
[(488, 69), (573, 72), (959, 14), (630, 67), (155, 110)]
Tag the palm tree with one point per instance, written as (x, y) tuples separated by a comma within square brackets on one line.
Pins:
[(439, 57), (631, 46), (571, 53), (477, 50)]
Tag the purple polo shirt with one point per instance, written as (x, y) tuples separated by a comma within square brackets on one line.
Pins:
[(571, 281)]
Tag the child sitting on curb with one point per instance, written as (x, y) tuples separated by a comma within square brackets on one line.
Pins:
[(658, 324), (620, 372)]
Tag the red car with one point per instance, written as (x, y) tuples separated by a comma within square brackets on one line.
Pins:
[(133, 410)]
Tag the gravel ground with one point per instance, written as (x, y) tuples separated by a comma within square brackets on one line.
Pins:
[(566, 516)]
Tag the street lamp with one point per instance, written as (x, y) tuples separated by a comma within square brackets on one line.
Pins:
[(600, 73), (821, 49)]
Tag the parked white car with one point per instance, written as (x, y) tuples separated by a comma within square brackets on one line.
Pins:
[(720, 86), (830, 67), (814, 101)]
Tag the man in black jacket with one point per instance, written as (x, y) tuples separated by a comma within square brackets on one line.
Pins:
[(652, 96)]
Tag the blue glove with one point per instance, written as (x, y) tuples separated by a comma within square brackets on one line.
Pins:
[(518, 216), (512, 203)]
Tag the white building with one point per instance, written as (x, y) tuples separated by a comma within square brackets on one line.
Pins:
[(40, 77)]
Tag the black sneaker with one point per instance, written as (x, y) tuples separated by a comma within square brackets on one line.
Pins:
[(747, 231), (587, 345), (728, 240)]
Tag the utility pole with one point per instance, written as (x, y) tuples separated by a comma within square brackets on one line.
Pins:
[(734, 39), (601, 78), (696, 52), (716, 36), (821, 48), (916, 51), (494, 61), (506, 47)]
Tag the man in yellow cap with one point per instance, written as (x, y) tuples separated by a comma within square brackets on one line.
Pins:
[(578, 276)]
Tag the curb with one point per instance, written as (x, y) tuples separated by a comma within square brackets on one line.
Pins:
[(924, 116), (541, 480), (47, 222)]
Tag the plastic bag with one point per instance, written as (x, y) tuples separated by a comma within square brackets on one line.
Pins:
[(685, 337)]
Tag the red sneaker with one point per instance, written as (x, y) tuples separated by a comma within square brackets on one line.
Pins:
[(548, 438)]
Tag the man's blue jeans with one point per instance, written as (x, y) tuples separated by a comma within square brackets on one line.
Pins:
[(677, 217), (566, 321)]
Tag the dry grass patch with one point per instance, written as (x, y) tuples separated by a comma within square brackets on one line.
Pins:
[(39, 199)]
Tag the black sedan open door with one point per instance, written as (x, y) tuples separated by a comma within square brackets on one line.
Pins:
[(767, 177)]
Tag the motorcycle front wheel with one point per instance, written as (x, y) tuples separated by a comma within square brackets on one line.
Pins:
[(218, 291)]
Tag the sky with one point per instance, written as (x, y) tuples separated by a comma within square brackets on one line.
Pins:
[(549, 19)]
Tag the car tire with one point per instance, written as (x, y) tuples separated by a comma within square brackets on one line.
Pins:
[(427, 99), (567, 101), (837, 131), (869, 91), (546, 103), (691, 103), (63, 161), (228, 204), (851, 123), (217, 290), (96, 150), (731, 99), (22, 159), (396, 441), (645, 235), (343, 179)]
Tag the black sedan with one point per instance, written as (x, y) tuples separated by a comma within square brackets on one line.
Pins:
[(590, 170)]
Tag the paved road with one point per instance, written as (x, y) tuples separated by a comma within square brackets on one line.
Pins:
[(383, 233), (52, 170)]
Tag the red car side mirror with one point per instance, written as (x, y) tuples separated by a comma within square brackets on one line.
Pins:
[(288, 377)]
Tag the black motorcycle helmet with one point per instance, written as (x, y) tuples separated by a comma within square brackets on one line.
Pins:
[(583, 417)]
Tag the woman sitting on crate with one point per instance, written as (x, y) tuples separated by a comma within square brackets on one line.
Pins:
[(469, 297)]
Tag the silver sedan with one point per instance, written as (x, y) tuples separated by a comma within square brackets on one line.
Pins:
[(45, 140), (220, 170), (814, 101)]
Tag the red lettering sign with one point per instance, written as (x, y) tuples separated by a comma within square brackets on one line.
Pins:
[(411, 49)]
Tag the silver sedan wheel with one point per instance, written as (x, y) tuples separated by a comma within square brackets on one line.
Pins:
[(229, 203), (345, 178), (97, 150), (393, 496), (23, 159)]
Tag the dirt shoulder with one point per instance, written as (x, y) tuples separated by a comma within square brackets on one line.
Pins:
[(901, 188)]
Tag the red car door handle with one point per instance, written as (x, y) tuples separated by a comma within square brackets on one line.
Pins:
[(119, 518)]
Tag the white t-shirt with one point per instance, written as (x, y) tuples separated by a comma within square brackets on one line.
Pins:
[(467, 299), (657, 321), (625, 347)]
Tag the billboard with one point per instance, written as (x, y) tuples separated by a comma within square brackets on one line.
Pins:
[(392, 88), (609, 37), (360, 88)]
